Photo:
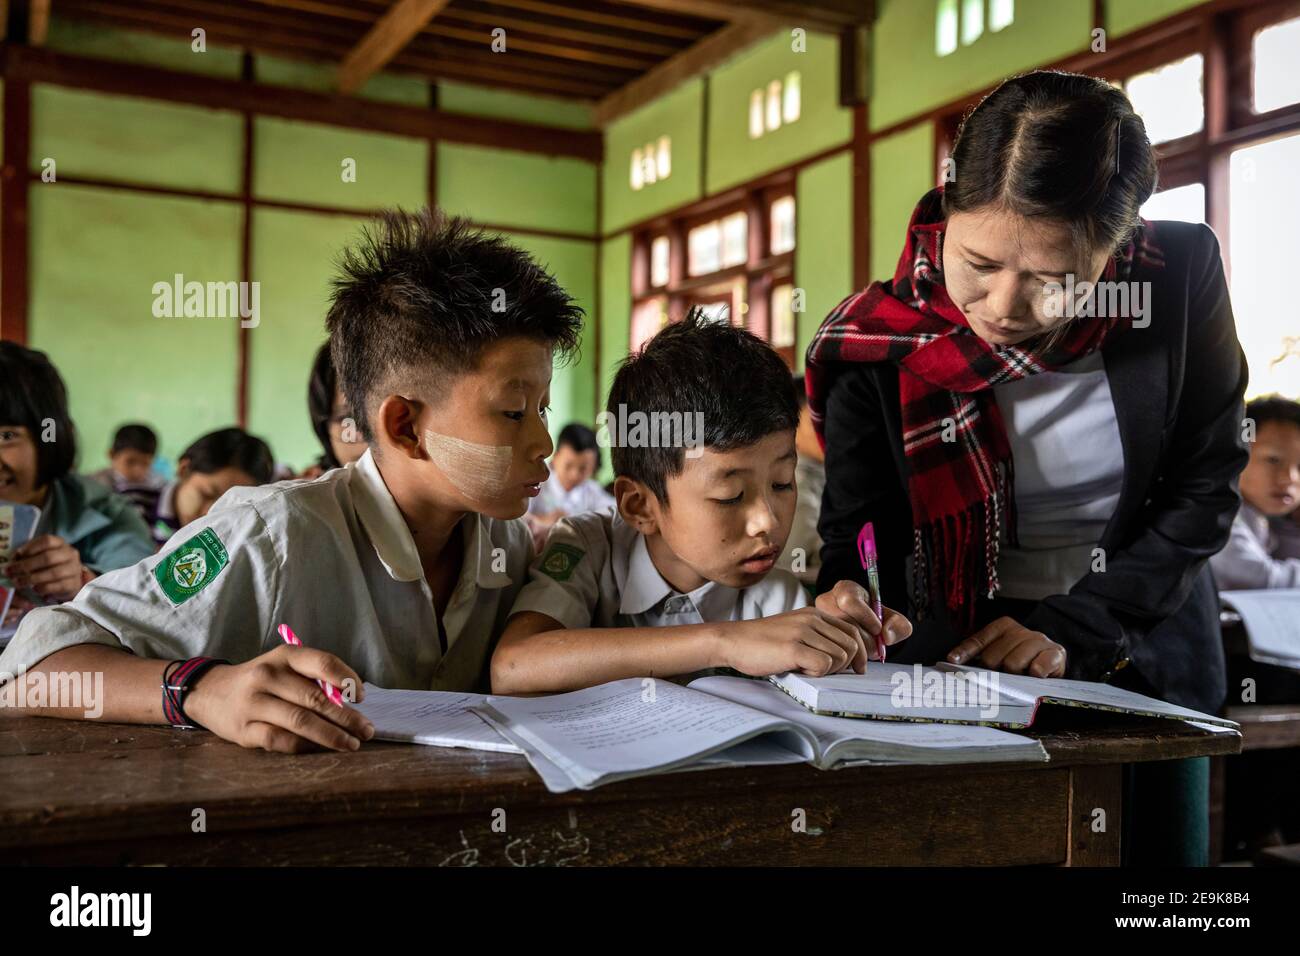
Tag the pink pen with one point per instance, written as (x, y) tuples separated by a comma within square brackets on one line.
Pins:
[(867, 555), (330, 690)]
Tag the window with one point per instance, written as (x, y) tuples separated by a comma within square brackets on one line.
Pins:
[(1275, 81), (1182, 203), (972, 21), (945, 28), (782, 226), (732, 257), (651, 163), (965, 19), (1170, 99), (1264, 204), (660, 250), (756, 114), (775, 105), (782, 318)]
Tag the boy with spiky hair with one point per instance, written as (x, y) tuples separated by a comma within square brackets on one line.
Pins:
[(399, 569), (681, 578)]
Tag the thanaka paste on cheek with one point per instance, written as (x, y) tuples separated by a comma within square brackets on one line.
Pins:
[(479, 472)]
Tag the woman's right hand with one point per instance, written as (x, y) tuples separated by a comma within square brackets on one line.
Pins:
[(273, 702)]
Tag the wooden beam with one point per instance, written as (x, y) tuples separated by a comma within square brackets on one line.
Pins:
[(105, 76), (13, 211), (38, 22), (693, 61), (829, 15), (385, 40)]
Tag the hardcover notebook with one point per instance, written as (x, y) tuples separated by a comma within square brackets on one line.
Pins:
[(952, 693), (635, 728), (1271, 620)]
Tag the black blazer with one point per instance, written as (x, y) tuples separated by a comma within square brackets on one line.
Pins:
[(1177, 386)]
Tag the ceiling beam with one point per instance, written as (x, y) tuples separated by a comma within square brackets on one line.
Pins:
[(385, 40), (700, 58), (830, 15), (107, 76)]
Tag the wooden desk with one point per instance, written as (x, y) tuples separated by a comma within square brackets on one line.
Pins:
[(1263, 727), (81, 792)]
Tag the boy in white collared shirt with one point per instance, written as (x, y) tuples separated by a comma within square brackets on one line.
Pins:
[(681, 579), (400, 569)]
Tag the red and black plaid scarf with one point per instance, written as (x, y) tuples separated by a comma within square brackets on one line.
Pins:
[(960, 478)]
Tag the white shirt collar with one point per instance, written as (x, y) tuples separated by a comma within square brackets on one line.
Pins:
[(644, 587), (395, 546)]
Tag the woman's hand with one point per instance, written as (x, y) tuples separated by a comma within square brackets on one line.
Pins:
[(49, 566), (1006, 645), (848, 601)]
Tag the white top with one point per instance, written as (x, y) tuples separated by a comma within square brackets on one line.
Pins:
[(1260, 553), (596, 572), (1069, 468), (585, 496), (332, 558)]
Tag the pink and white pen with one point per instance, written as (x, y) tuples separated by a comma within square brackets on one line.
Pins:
[(867, 555), (330, 690)]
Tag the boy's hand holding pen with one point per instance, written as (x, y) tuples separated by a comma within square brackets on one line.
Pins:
[(850, 601)]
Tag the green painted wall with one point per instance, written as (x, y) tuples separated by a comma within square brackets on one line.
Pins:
[(303, 162), (901, 173), (823, 242), (117, 137), (908, 77), (293, 256), (1126, 16), (679, 115), (506, 104), (95, 256), (150, 49), (323, 78), (733, 157), (517, 189)]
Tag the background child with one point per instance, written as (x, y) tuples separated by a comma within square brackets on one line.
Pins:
[(331, 418), (130, 461), (570, 490), (84, 528), (220, 460), (1263, 550), (695, 539), (803, 549)]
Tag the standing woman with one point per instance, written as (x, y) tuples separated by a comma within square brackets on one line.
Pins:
[(1046, 482)]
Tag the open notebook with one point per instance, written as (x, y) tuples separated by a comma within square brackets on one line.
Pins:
[(431, 717), (1271, 620), (632, 728), (953, 693)]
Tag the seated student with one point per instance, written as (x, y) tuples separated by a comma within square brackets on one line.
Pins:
[(399, 569), (570, 490), (130, 461), (1263, 549), (221, 460), (803, 549), (702, 517), (84, 529), (331, 418)]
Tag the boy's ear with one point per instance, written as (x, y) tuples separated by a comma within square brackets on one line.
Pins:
[(183, 468), (397, 425), (637, 504)]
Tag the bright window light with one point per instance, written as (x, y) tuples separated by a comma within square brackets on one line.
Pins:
[(660, 249), (1182, 203), (782, 226), (972, 21), (1170, 99), (735, 238), (773, 105), (1276, 81), (790, 104), (664, 157), (638, 178), (945, 27), (1001, 14), (756, 114)]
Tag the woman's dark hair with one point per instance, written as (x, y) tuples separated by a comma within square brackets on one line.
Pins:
[(231, 448), (32, 395), (580, 438), (320, 403), (1054, 145)]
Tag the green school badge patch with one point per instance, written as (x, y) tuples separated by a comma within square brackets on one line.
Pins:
[(191, 567), (560, 560)]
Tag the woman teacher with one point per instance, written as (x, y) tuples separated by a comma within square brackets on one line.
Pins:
[(1042, 412)]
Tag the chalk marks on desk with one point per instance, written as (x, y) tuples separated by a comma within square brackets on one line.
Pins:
[(542, 847)]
